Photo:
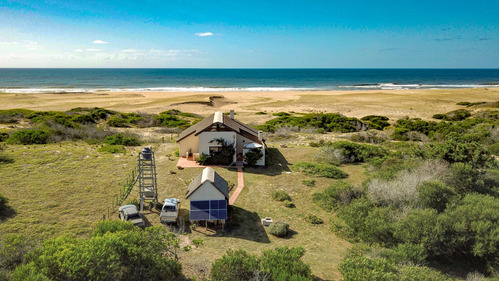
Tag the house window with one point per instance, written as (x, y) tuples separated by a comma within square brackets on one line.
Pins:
[(215, 149)]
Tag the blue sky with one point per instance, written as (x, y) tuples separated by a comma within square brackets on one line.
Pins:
[(249, 34)]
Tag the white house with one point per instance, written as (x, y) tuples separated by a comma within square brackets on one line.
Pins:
[(208, 195), (200, 137)]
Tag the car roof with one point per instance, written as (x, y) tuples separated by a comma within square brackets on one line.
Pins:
[(129, 209)]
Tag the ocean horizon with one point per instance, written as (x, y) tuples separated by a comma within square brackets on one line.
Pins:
[(54, 80)]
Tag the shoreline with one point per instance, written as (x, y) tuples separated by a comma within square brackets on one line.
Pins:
[(395, 104)]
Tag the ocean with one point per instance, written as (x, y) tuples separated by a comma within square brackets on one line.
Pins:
[(216, 80)]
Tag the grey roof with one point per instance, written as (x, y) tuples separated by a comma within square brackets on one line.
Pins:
[(217, 117), (209, 174)]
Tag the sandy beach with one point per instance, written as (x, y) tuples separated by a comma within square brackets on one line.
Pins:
[(392, 103)]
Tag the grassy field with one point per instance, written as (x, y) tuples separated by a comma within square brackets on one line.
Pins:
[(66, 188)]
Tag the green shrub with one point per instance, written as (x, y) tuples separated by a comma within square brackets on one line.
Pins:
[(224, 157), (134, 201), (3, 203), (4, 136), (252, 156), (338, 194), (169, 120), (312, 219), (198, 242), (439, 116), (280, 195), (321, 170), (354, 152), (308, 182), (363, 268), (29, 136), (376, 121), (289, 204), (407, 253), (120, 139), (112, 149), (234, 266), (260, 113), (111, 226), (124, 119), (421, 273), (281, 263), (328, 122), (435, 194), (278, 229)]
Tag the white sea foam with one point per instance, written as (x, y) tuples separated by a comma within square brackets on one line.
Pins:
[(155, 89), (381, 86)]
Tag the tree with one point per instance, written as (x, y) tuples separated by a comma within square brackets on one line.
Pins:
[(252, 156)]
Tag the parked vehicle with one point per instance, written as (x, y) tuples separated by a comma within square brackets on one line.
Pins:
[(130, 213), (170, 210)]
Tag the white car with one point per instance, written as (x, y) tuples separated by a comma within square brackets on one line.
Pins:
[(170, 210)]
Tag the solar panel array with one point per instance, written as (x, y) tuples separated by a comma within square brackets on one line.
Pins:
[(208, 210)]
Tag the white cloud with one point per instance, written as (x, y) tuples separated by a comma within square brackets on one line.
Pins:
[(204, 34), (92, 50), (129, 51), (99, 42), (78, 50)]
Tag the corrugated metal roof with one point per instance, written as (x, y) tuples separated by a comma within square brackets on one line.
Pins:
[(210, 175)]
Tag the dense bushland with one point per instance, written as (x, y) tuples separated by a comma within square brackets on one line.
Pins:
[(431, 202)]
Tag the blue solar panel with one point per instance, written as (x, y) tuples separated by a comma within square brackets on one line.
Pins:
[(200, 205), (198, 215), (208, 210)]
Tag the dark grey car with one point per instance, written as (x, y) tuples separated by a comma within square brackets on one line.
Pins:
[(130, 213)]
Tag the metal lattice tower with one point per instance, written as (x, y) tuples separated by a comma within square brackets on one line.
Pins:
[(147, 177)]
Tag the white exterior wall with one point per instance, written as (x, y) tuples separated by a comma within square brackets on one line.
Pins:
[(189, 142), (262, 160), (205, 138), (240, 142), (207, 192)]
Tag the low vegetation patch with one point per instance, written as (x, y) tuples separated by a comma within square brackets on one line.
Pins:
[(320, 170), (120, 139), (376, 122), (280, 195), (281, 263), (469, 104), (312, 219), (456, 115), (108, 148), (278, 229), (29, 136), (309, 182)]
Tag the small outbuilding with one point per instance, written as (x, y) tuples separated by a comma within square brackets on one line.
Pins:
[(208, 195)]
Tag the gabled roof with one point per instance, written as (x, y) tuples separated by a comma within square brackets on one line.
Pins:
[(210, 175), (219, 118)]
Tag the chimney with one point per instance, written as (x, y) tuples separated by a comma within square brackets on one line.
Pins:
[(231, 114), (259, 135)]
